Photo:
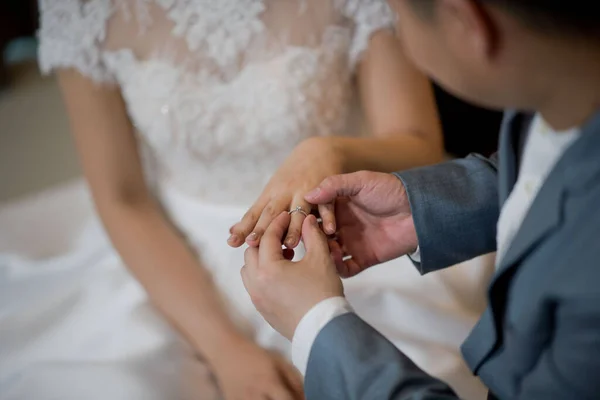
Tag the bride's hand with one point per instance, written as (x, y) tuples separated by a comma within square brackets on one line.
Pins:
[(309, 164), (247, 372)]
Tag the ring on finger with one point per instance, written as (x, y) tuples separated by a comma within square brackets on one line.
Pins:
[(298, 209)]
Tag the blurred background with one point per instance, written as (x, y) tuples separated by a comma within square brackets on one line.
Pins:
[(35, 148)]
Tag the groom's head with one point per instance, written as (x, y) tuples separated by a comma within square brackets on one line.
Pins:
[(498, 53)]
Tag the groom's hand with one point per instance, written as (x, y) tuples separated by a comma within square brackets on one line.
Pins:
[(284, 291), (374, 219)]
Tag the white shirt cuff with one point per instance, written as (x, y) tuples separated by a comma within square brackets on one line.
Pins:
[(416, 256), (311, 324)]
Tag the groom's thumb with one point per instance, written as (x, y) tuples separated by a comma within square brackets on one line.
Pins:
[(314, 239), (347, 185)]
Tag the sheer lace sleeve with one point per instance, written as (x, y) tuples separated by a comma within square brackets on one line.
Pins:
[(71, 35), (369, 16)]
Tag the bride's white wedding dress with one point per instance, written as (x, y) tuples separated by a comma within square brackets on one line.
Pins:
[(220, 92)]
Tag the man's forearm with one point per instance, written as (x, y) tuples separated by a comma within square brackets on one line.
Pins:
[(455, 209), (177, 284)]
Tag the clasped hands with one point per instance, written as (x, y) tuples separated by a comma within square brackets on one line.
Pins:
[(366, 215)]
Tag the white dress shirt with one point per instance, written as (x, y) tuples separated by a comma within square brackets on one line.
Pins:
[(543, 149)]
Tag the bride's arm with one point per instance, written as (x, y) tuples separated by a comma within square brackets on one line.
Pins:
[(400, 107), (156, 254), (148, 244)]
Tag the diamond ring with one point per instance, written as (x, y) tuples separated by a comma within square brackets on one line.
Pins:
[(298, 209)]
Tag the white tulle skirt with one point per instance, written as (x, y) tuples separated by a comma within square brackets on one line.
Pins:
[(74, 324)]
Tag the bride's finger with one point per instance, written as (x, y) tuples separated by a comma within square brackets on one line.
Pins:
[(295, 230), (240, 231), (327, 214), (271, 210)]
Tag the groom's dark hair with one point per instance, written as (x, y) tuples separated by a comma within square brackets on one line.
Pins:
[(579, 17)]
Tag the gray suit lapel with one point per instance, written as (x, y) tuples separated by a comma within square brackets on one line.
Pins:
[(580, 163), (514, 132), (542, 218), (513, 135), (578, 166)]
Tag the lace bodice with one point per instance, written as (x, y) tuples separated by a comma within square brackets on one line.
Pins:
[(220, 91)]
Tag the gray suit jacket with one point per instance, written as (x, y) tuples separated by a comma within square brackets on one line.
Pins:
[(540, 336)]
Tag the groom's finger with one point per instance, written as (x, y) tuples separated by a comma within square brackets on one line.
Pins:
[(251, 258), (315, 240), (338, 257), (346, 265), (270, 248), (347, 185), (327, 214), (352, 268)]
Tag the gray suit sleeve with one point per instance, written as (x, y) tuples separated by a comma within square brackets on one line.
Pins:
[(350, 360), (455, 207)]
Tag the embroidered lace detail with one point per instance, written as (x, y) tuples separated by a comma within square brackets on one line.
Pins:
[(220, 91), (71, 33), (369, 16), (224, 27)]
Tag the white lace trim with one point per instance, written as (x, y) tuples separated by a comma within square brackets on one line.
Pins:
[(369, 17), (70, 35), (72, 31)]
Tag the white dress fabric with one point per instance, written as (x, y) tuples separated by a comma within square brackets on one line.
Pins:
[(220, 92)]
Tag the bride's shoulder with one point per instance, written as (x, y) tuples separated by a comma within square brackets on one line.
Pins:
[(368, 11), (368, 17), (71, 34)]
